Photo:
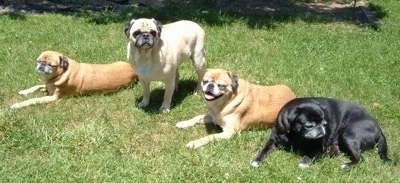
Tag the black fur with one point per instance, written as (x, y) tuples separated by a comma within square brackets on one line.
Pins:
[(349, 128)]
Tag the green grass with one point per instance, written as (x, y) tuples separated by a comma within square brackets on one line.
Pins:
[(106, 138)]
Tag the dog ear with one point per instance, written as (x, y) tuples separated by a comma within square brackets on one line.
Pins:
[(235, 80), (64, 62), (286, 116), (159, 26), (127, 28)]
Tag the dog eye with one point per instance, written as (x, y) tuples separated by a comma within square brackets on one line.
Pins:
[(154, 33), (136, 33), (309, 125), (221, 86)]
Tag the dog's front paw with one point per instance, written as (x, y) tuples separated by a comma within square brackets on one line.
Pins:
[(143, 103), (256, 164), (15, 106), (183, 124), (333, 150), (24, 92), (194, 144), (305, 162), (163, 110)]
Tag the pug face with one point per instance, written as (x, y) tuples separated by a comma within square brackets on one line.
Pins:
[(310, 123), (143, 32), (49, 64), (218, 83)]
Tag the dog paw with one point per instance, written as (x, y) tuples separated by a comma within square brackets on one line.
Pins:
[(163, 110), (15, 106), (333, 150), (194, 144), (143, 104), (182, 124), (23, 92), (305, 162), (304, 165), (344, 166), (347, 166), (256, 164)]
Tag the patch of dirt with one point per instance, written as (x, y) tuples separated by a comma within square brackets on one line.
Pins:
[(333, 10)]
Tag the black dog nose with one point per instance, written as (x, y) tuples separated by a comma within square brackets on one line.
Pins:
[(210, 87), (146, 35)]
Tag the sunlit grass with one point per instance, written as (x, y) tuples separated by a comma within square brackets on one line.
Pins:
[(106, 138)]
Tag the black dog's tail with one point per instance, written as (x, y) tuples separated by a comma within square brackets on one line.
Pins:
[(382, 148)]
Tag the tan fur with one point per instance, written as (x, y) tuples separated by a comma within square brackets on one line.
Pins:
[(79, 78), (246, 107)]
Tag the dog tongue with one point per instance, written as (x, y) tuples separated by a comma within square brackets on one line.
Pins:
[(208, 96)]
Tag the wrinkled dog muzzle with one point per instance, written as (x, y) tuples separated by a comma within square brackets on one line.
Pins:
[(44, 67), (145, 39), (316, 131), (212, 91)]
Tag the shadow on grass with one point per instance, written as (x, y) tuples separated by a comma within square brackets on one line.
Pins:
[(186, 87), (212, 128), (257, 14)]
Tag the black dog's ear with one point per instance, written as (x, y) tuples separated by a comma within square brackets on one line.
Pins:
[(64, 62), (286, 116), (235, 80), (159, 26), (127, 28)]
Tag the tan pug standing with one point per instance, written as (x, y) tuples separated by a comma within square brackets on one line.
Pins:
[(156, 51), (64, 76), (235, 105)]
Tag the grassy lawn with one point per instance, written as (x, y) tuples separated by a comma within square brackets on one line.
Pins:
[(106, 138)]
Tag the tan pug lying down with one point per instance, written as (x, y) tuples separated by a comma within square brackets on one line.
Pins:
[(64, 76)]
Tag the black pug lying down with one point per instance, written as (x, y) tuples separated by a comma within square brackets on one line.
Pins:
[(316, 125)]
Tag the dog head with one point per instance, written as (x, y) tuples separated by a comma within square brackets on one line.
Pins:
[(143, 32), (51, 63), (218, 83), (305, 119)]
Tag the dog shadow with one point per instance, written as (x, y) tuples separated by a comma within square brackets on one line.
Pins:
[(186, 87), (212, 128)]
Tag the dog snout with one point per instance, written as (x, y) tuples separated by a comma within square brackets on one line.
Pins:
[(210, 87), (322, 129), (145, 39), (146, 36), (41, 68)]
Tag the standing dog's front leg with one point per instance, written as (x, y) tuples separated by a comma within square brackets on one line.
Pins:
[(32, 89), (146, 93), (169, 92)]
